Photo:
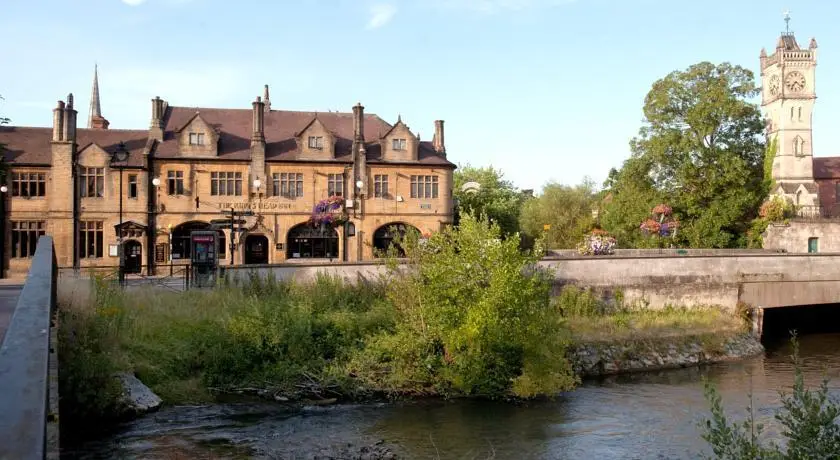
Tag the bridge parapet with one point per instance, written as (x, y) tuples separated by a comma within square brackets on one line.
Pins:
[(28, 366)]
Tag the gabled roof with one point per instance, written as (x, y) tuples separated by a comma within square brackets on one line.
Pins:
[(31, 146), (397, 124), (312, 122), (792, 187)]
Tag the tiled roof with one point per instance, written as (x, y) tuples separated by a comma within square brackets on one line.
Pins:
[(31, 146), (827, 168), (235, 129), (792, 187), (788, 42)]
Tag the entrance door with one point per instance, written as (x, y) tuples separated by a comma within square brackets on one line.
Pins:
[(133, 253), (256, 249)]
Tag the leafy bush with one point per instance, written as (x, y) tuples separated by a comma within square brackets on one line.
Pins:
[(810, 421), (472, 319)]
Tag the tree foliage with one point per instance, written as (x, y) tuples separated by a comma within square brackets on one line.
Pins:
[(567, 210), (701, 150), (474, 319), (496, 199)]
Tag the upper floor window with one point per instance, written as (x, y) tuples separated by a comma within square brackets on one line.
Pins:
[(424, 186), (92, 182), (289, 185), (380, 186), (316, 142), (196, 138), (798, 146), (132, 185), (25, 237), (335, 184), (29, 184), (175, 185), (399, 144), (799, 111), (226, 183)]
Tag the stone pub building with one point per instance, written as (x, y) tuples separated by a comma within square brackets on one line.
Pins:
[(193, 165)]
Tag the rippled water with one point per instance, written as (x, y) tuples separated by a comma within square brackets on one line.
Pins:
[(640, 416)]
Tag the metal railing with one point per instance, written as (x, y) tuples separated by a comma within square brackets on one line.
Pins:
[(28, 390)]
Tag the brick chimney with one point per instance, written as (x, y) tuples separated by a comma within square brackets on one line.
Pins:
[(258, 145), (437, 140), (58, 122), (359, 122), (69, 128), (156, 126)]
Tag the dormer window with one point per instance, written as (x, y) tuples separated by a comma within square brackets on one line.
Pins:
[(399, 144), (316, 142), (196, 138)]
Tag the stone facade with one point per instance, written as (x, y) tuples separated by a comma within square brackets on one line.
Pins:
[(812, 184), (193, 165)]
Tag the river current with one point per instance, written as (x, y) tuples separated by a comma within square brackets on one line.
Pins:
[(638, 416)]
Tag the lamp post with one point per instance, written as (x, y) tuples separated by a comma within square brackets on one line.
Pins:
[(118, 159), (151, 227), (3, 190)]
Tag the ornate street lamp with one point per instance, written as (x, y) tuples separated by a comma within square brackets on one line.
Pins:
[(118, 160), (3, 191)]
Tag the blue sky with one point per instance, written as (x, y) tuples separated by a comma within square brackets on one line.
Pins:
[(542, 89)]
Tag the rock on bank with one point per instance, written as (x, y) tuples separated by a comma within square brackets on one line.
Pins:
[(608, 358)]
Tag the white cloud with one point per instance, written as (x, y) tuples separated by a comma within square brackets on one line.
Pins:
[(133, 2), (380, 15)]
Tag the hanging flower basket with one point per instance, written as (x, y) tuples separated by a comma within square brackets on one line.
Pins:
[(651, 226), (328, 213), (662, 209)]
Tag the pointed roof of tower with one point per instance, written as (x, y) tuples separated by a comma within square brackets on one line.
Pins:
[(95, 118)]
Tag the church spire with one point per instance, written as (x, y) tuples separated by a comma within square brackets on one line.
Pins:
[(95, 119)]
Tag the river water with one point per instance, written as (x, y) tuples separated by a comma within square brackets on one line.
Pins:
[(639, 416)]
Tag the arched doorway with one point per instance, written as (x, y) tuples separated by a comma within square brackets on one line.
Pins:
[(384, 236), (256, 249), (307, 242), (132, 256), (181, 239)]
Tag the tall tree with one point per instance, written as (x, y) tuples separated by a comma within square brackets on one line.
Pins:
[(495, 199), (701, 151), (565, 210)]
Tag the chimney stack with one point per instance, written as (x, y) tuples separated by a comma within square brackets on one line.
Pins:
[(258, 121), (438, 142), (58, 122), (358, 122), (69, 123), (156, 126)]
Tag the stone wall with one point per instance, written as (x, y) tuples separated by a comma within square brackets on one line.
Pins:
[(793, 237)]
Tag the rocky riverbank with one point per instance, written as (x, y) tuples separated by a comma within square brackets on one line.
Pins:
[(597, 359)]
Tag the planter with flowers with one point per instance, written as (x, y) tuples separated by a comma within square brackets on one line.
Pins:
[(661, 223), (598, 242), (328, 213)]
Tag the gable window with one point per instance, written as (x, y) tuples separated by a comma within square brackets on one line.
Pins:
[(175, 185), (132, 186), (316, 142), (380, 186), (25, 237), (226, 184), (90, 239), (335, 184), (29, 184), (424, 186), (398, 144), (289, 185), (196, 138), (92, 182)]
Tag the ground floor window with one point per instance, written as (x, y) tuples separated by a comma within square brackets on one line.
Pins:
[(307, 242), (181, 240), (25, 237), (384, 236), (90, 239)]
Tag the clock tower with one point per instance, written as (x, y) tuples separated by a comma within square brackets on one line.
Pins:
[(788, 95)]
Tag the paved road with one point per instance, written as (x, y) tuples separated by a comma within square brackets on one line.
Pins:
[(8, 300)]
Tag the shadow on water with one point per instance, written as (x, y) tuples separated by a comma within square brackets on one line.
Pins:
[(637, 416)]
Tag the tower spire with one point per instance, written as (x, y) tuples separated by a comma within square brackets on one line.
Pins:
[(786, 15), (95, 119)]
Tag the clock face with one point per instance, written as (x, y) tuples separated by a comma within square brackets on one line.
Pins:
[(795, 82), (774, 85)]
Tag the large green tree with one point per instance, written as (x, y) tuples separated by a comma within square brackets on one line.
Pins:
[(701, 151), (495, 199), (566, 210)]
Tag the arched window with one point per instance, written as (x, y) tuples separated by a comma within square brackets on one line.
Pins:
[(384, 236), (799, 199), (798, 146), (307, 242), (791, 113), (800, 113)]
